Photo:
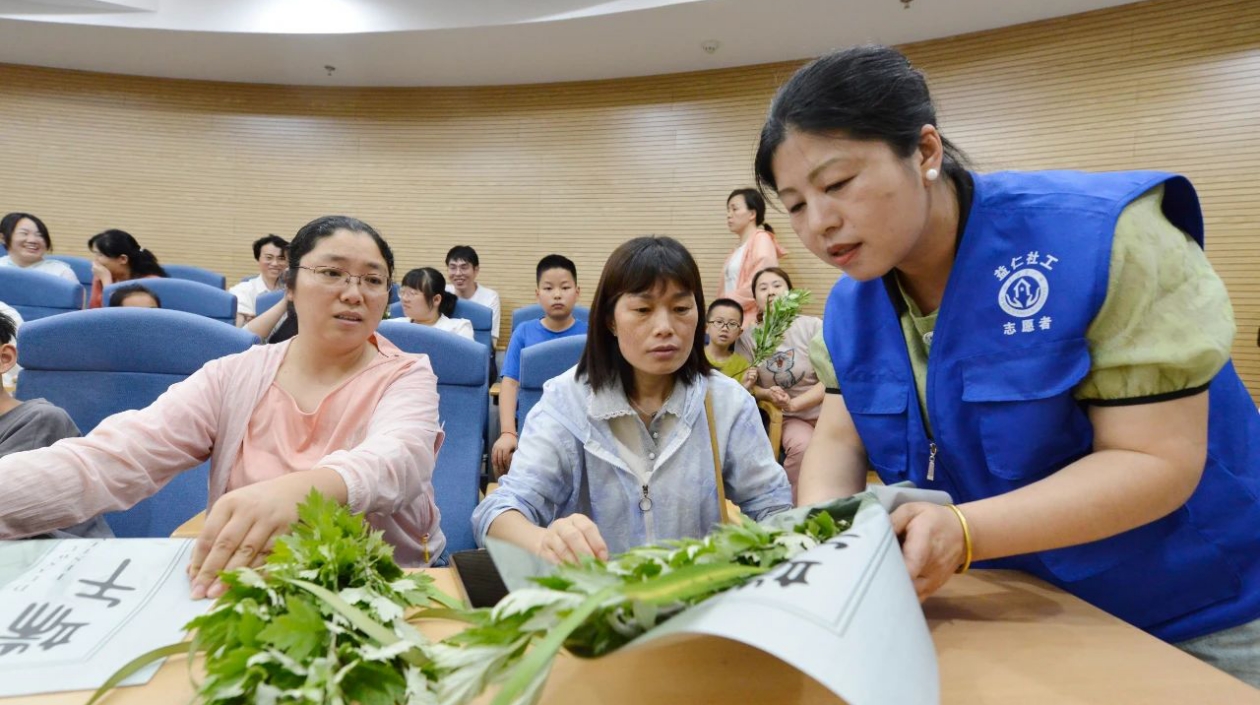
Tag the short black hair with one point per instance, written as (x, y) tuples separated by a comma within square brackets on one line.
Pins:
[(120, 294), (463, 252), (270, 240), (10, 222), (727, 303), (8, 329), (638, 266), (555, 262)]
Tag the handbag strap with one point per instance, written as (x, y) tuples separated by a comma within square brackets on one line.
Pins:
[(717, 463)]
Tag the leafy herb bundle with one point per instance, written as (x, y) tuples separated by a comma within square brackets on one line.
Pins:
[(327, 621), (775, 322)]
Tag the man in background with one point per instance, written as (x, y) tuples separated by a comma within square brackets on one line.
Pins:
[(272, 255)]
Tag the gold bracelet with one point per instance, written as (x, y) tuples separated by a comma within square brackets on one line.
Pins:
[(966, 539)]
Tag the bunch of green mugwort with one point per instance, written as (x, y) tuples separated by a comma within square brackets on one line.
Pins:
[(778, 317), (595, 607)]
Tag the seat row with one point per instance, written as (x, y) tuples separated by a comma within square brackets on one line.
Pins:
[(36, 295)]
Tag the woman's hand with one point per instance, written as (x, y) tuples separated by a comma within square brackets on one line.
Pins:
[(244, 523), (501, 454), (931, 544), (569, 538), (100, 272), (780, 398), (749, 378)]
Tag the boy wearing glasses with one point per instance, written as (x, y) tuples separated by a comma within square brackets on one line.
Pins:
[(725, 325), (462, 267)]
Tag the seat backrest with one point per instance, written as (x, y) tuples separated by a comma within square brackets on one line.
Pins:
[(266, 300), (462, 369), (196, 274), (188, 296), (81, 266), (481, 318), (37, 295), (97, 363), (534, 312), (540, 363)]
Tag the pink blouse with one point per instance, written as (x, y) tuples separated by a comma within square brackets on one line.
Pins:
[(382, 439)]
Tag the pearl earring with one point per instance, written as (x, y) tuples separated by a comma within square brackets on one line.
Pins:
[(932, 174)]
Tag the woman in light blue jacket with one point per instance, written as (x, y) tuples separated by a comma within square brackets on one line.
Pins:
[(618, 452)]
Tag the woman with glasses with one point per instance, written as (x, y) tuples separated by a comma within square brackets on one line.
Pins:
[(337, 409), (426, 301), (619, 451)]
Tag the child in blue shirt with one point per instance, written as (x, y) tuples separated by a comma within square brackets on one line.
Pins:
[(557, 292)]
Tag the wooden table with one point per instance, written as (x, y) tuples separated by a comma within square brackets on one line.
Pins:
[(1001, 637)]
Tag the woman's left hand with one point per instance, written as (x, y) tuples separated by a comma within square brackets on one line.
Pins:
[(931, 544), (244, 523)]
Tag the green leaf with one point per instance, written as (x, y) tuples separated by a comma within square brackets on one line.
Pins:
[(537, 663), (691, 581), (138, 663), (373, 683), (298, 633), (360, 620)]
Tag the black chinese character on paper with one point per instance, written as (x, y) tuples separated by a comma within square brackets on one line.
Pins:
[(36, 622), (104, 586), (790, 573)]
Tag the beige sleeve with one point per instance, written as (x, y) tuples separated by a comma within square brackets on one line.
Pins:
[(1166, 325)]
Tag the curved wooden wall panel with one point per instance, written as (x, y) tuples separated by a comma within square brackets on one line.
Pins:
[(197, 170)]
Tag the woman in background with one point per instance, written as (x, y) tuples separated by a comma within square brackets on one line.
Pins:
[(757, 249), (28, 242), (119, 258), (426, 301)]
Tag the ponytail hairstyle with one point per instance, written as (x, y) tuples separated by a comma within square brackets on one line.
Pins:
[(862, 93), (431, 284), (116, 243)]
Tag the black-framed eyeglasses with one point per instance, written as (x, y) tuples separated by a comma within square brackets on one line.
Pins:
[(725, 325), (335, 277)]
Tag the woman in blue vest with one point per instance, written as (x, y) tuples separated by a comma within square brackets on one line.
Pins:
[(1051, 348)]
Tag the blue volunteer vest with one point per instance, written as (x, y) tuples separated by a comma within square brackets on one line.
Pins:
[(1008, 348)]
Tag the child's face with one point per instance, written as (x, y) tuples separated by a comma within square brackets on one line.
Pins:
[(557, 293), (139, 300), (769, 285), (725, 325)]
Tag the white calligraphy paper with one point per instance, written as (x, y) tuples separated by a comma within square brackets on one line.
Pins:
[(73, 611), (844, 613)]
